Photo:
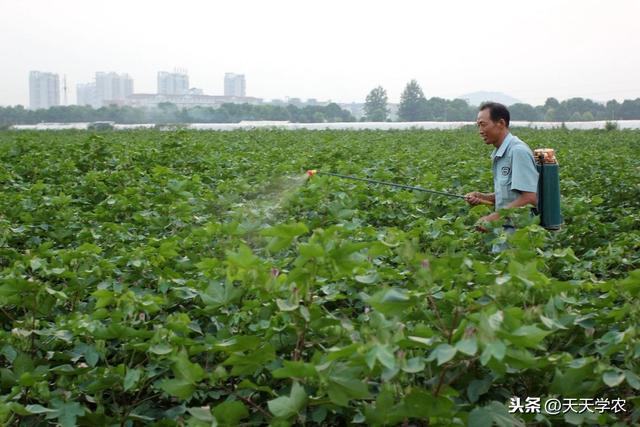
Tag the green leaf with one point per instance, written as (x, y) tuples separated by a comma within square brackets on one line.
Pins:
[(468, 346), (527, 336), (244, 258), (295, 369), (39, 409), (68, 412), (632, 379), (414, 365), (288, 231), (230, 413), (367, 279), (383, 354), (89, 248), (221, 294), (495, 320), (443, 353), (89, 352), (35, 263), (425, 341), (184, 369), (346, 384), (59, 294), (180, 388), (202, 414), (285, 305), (246, 364), (168, 249), (502, 417), (632, 283), (341, 391), (495, 349), (287, 406), (311, 250), (238, 343), (477, 388), (480, 417), (131, 378), (424, 405), (283, 234), (551, 323), (390, 301), (9, 352), (161, 349), (613, 378)]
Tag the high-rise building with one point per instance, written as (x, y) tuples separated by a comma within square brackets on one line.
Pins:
[(86, 95), (176, 83), (234, 85), (112, 88), (44, 90)]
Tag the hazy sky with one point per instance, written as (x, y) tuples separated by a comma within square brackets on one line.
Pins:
[(331, 50)]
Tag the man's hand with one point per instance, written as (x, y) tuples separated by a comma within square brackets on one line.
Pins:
[(477, 198), (483, 222)]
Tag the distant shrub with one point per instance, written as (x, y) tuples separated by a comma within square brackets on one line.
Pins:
[(101, 126), (609, 126)]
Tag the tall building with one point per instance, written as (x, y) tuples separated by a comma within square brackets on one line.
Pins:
[(176, 83), (112, 88), (234, 85), (86, 95), (44, 90)]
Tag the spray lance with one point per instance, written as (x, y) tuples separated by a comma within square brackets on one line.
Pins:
[(548, 206), (313, 172)]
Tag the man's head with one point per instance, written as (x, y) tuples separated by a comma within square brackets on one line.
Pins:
[(493, 122)]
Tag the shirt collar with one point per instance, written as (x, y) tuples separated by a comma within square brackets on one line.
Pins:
[(503, 147)]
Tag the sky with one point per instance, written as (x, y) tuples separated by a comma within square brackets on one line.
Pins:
[(331, 50)]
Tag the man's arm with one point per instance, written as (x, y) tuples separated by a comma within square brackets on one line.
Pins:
[(525, 198)]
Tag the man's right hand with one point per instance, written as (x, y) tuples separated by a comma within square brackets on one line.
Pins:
[(476, 198)]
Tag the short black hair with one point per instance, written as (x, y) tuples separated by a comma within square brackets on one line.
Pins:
[(497, 111)]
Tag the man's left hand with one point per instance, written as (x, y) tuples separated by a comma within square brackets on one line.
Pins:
[(483, 222)]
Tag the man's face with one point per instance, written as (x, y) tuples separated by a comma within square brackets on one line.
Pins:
[(490, 131)]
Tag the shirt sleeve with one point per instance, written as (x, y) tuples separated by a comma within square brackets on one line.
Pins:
[(524, 173)]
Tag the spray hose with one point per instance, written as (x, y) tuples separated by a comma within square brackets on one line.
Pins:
[(313, 172)]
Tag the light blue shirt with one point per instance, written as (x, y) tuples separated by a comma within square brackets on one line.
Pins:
[(514, 171)]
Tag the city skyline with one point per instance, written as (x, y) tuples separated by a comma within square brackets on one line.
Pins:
[(44, 90), (111, 87), (334, 51)]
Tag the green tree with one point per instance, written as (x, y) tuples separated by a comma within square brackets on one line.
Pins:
[(375, 107), (612, 109), (551, 103), (524, 112), (318, 117), (413, 104), (550, 115), (576, 117)]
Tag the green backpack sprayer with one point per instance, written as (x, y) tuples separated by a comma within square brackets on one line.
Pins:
[(548, 187)]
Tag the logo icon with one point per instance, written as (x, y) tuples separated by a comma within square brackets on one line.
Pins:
[(506, 170)]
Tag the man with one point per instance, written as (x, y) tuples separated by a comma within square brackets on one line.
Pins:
[(515, 177)]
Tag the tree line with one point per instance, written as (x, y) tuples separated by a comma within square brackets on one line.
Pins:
[(414, 106), (167, 113)]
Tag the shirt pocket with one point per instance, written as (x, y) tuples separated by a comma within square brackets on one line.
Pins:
[(505, 176)]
